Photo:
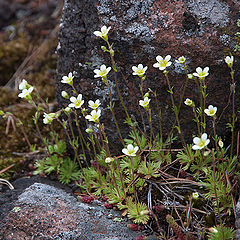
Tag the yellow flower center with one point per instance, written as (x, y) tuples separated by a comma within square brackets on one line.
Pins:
[(201, 143), (211, 112), (77, 103), (163, 63)]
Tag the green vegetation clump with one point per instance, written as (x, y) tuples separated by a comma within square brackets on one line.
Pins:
[(190, 184)]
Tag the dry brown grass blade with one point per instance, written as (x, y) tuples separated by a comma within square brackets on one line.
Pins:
[(7, 168), (30, 59), (3, 181)]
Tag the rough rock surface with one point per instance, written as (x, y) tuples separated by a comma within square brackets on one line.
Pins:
[(46, 212), (201, 30), (237, 223)]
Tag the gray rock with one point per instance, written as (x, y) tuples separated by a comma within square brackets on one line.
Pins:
[(46, 212)]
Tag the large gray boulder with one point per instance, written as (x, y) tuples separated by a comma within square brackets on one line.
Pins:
[(203, 31), (46, 212)]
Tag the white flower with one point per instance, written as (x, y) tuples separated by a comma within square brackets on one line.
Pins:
[(162, 64), (68, 79), (94, 116), (48, 118), (211, 111), (201, 73), (24, 85), (109, 160), (102, 72), (200, 143), (94, 105), (139, 70), (130, 150), (144, 103), (26, 93), (64, 94), (181, 60), (195, 195), (229, 60), (188, 102), (190, 76), (76, 102), (104, 32)]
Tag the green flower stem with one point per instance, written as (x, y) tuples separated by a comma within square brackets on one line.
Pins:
[(175, 111), (148, 112), (23, 131), (204, 86), (197, 119), (134, 189), (114, 178), (121, 177), (201, 100), (37, 127), (233, 111), (180, 103), (184, 90), (113, 114), (82, 140), (141, 87), (40, 98), (117, 87), (73, 137), (74, 149), (104, 138), (215, 192)]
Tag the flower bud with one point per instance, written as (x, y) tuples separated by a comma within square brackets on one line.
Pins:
[(64, 94), (68, 109), (190, 76), (220, 143), (104, 48), (88, 130), (111, 52)]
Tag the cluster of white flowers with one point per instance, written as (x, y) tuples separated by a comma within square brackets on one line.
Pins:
[(26, 89), (140, 71)]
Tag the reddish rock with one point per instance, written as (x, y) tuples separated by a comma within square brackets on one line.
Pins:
[(203, 31)]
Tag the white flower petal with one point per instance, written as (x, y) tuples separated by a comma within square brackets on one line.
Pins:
[(167, 58), (195, 147), (159, 58), (196, 140), (204, 136), (73, 99)]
